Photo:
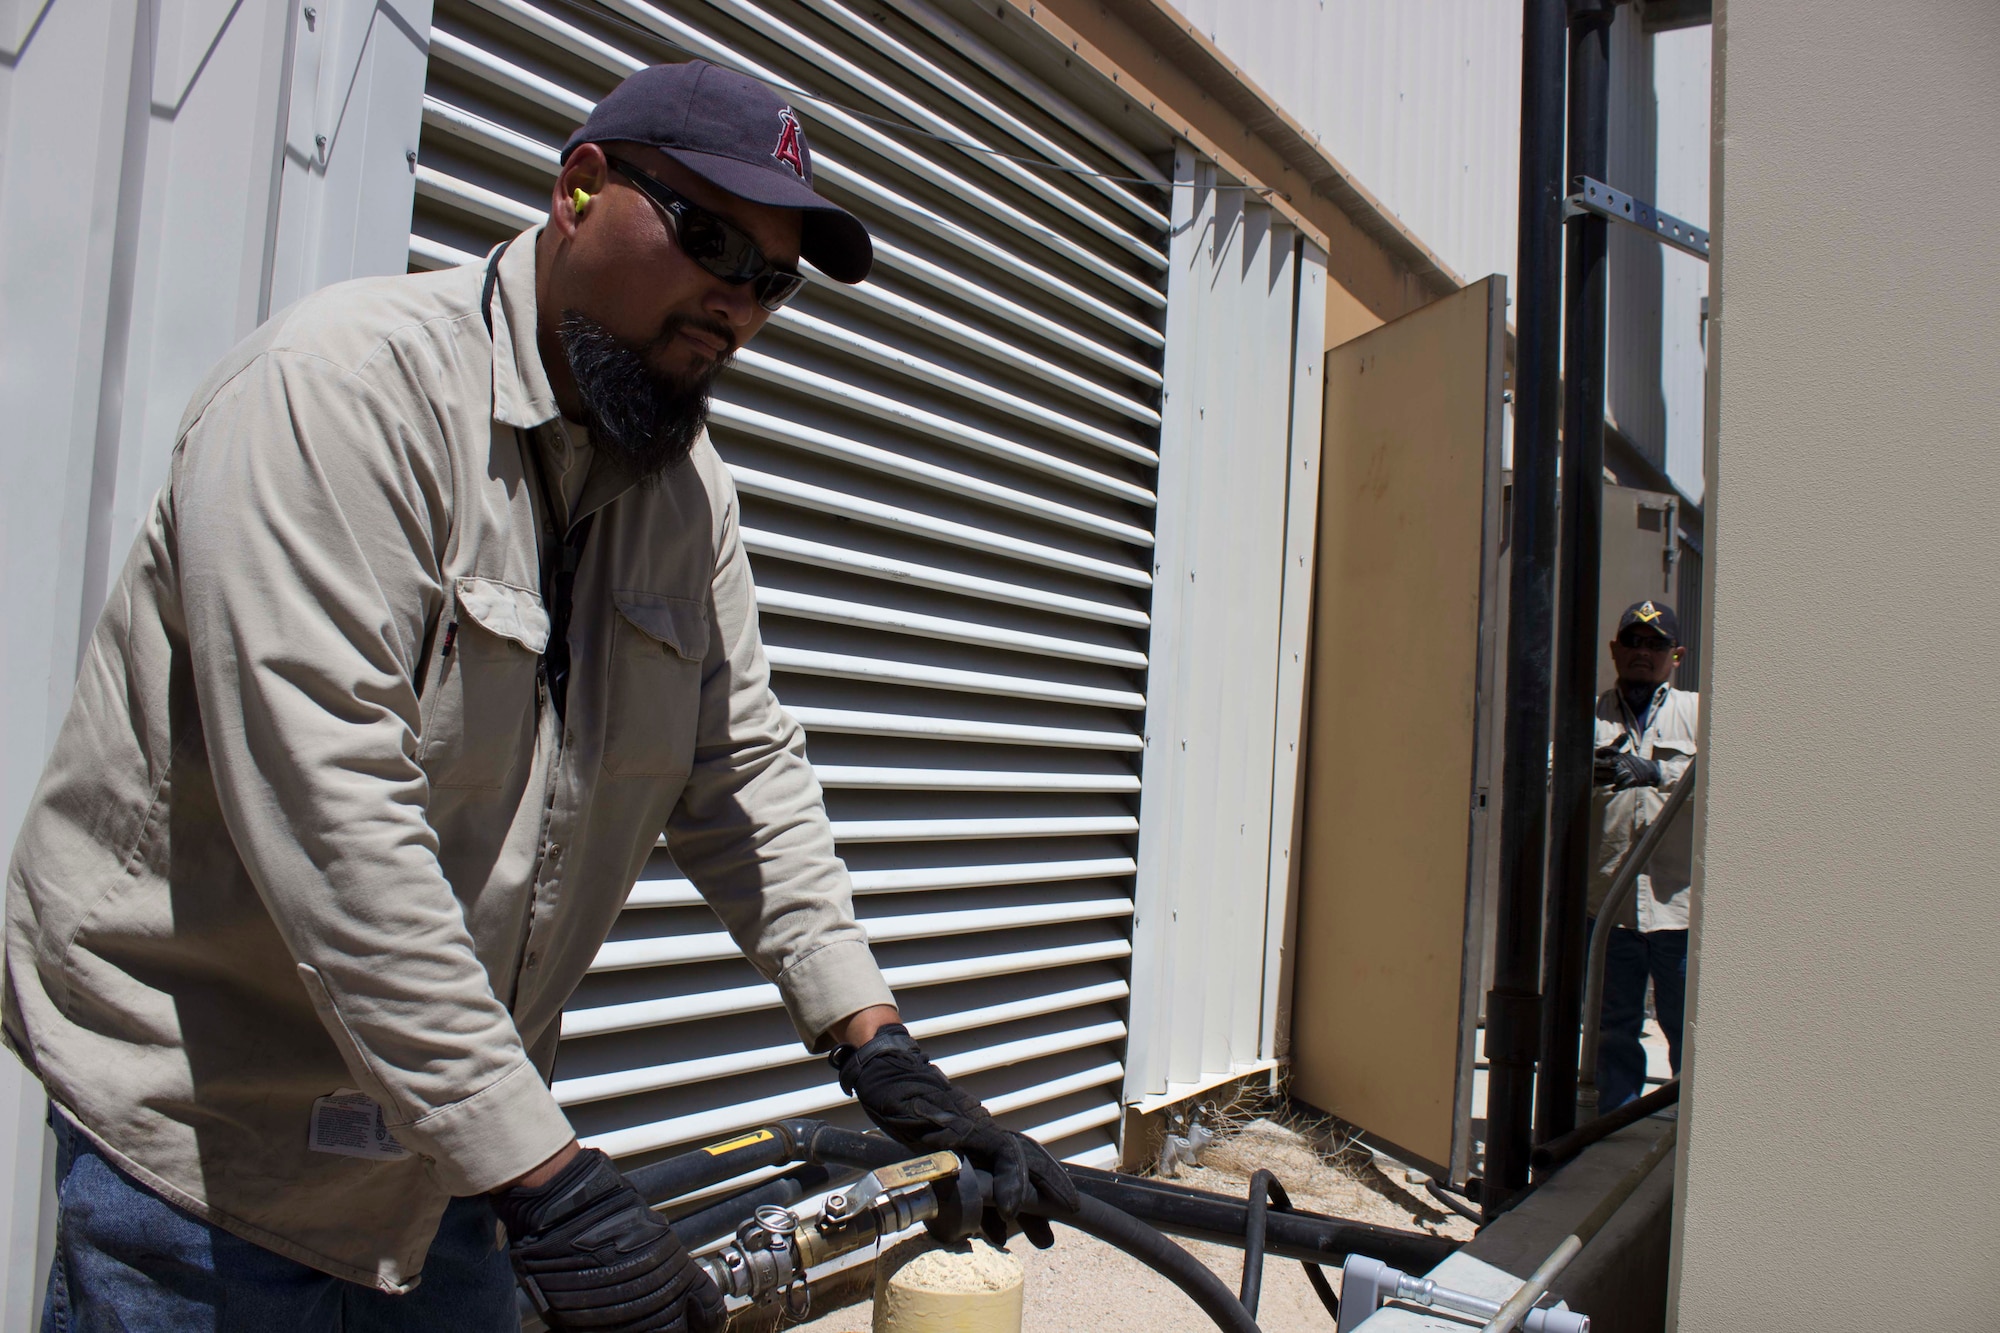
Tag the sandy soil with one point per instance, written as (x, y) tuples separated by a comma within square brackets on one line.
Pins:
[(1082, 1284)]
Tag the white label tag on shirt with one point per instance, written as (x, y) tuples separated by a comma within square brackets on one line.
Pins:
[(350, 1123)]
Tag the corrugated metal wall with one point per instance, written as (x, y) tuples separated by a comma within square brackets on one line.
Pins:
[(947, 483), (1237, 501)]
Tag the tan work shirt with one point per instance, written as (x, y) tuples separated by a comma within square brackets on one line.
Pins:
[(1660, 899), (310, 823)]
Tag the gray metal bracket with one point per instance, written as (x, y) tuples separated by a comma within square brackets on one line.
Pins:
[(1595, 197), (1366, 1283)]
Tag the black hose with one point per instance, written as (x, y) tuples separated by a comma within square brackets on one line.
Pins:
[(1264, 1192), (772, 1145), (1164, 1257), (1456, 1204), (1221, 1219), (1261, 1184), (722, 1217), (1555, 1152), (846, 1148)]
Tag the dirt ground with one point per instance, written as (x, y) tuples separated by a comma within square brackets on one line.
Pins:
[(1083, 1284)]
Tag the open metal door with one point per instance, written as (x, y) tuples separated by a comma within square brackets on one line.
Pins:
[(1390, 911)]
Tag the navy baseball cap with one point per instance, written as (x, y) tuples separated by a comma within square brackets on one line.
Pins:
[(1655, 616), (739, 136)]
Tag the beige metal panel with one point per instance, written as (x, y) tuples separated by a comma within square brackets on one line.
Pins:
[(1201, 934), (1382, 1015), (1639, 561), (1841, 967)]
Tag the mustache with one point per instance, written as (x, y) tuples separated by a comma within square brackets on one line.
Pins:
[(674, 325)]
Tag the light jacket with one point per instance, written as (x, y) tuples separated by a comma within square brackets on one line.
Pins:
[(310, 824), (1660, 900)]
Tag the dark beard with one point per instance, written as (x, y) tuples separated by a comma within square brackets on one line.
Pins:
[(646, 420)]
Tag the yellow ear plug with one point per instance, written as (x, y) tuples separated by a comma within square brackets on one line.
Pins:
[(581, 200)]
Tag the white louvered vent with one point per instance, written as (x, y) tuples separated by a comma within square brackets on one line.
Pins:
[(947, 477)]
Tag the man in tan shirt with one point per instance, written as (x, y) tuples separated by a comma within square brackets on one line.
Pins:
[(442, 617), (1645, 741)]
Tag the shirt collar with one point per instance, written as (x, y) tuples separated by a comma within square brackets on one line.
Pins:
[(522, 396)]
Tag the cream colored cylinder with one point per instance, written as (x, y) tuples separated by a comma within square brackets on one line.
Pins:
[(974, 1288)]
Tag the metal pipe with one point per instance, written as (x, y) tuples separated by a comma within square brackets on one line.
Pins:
[(1622, 886), (1548, 1156), (1572, 1245), (1587, 251), (1513, 1005)]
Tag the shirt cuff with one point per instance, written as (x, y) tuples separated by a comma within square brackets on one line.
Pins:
[(505, 1130), (829, 984)]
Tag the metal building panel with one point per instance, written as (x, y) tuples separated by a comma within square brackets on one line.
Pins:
[(1420, 100), (947, 478), (1204, 926), (1294, 644)]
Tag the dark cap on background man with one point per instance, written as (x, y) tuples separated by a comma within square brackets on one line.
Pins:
[(1655, 616), (739, 136)]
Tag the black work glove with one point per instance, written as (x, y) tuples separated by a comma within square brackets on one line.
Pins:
[(1622, 770), (592, 1255), (915, 1104)]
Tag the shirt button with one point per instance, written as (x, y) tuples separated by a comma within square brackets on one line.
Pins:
[(533, 958)]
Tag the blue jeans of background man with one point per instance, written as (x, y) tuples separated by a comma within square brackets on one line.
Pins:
[(1632, 958), (128, 1260)]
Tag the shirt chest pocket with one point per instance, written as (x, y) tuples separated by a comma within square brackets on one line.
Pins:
[(479, 708), (657, 648)]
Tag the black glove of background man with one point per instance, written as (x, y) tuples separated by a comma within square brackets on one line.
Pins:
[(593, 1255), (1622, 770), (915, 1104)]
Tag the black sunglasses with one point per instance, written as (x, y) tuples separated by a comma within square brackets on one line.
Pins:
[(719, 246), (1658, 643)]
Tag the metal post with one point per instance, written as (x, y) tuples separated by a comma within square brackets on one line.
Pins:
[(1587, 243), (1513, 1006)]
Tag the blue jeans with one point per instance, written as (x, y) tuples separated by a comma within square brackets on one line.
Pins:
[(128, 1260), (1631, 959)]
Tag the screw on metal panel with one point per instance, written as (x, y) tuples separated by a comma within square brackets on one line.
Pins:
[(312, 16), (319, 141), (411, 158)]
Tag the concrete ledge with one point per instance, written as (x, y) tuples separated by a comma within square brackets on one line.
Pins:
[(1620, 1279)]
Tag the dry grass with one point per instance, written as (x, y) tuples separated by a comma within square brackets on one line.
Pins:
[(1322, 1164)]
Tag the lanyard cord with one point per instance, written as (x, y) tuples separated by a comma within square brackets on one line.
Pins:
[(558, 563)]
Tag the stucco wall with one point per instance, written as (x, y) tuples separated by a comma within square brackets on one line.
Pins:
[(1843, 1111)]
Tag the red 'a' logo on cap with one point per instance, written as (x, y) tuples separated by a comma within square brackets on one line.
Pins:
[(791, 149)]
